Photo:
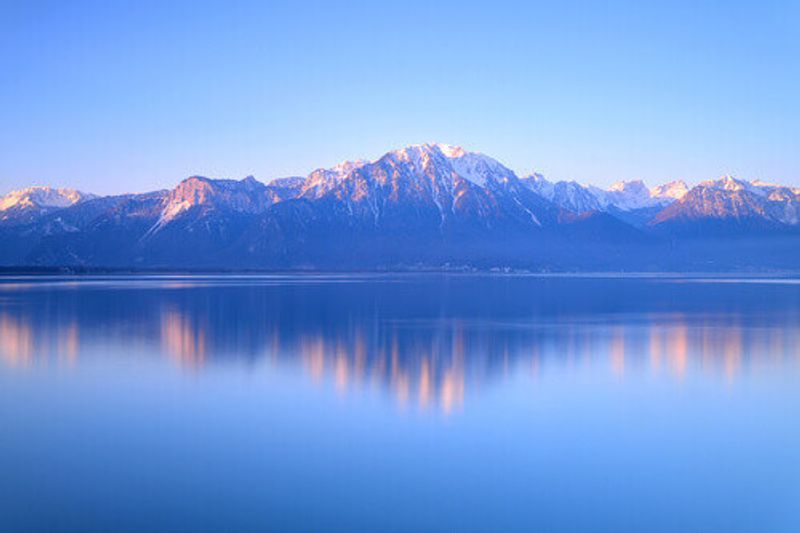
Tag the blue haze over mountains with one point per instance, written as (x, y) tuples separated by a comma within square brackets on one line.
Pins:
[(423, 206)]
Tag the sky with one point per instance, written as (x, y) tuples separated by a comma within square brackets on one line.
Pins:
[(112, 97)]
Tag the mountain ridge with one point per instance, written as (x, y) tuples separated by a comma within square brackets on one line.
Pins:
[(425, 204)]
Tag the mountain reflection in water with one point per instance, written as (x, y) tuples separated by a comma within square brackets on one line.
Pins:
[(428, 341)]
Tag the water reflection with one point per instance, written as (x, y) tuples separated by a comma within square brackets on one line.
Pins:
[(181, 339), (428, 341), (21, 342)]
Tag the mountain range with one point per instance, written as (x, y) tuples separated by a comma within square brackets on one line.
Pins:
[(423, 206)]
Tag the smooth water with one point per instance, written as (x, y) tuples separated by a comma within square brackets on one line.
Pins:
[(399, 403)]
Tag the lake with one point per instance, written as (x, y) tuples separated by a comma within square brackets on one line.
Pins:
[(399, 403)]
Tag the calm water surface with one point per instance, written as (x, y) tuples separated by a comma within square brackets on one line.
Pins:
[(399, 403)]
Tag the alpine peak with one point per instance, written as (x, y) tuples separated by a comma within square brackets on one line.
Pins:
[(42, 197)]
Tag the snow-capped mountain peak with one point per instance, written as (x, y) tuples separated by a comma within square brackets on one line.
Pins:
[(42, 197), (629, 186), (448, 150), (630, 195), (621, 196), (729, 183), (474, 167), (323, 180), (346, 167), (569, 195), (674, 190), (540, 185)]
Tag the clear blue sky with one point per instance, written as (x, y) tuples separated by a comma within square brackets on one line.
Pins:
[(117, 96)]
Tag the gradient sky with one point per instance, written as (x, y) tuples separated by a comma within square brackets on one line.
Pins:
[(126, 97)]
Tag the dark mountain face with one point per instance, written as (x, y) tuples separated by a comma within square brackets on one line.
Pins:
[(104, 232), (639, 217), (285, 188), (425, 205)]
